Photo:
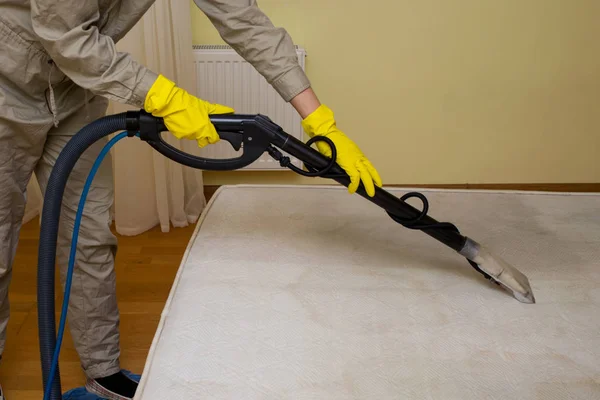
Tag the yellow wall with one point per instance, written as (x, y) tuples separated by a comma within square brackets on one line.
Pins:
[(463, 91)]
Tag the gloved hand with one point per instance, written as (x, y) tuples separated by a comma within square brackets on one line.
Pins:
[(349, 157), (186, 116)]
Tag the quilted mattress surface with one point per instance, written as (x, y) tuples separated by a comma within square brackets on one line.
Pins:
[(296, 292)]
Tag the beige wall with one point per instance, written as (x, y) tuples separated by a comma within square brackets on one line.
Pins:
[(463, 91)]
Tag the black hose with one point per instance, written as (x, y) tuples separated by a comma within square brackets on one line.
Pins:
[(49, 233)]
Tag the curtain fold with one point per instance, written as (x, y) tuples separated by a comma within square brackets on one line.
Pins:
[(151, 190)]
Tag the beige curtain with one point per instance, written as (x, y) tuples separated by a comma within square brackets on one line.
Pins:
[(151, 190)]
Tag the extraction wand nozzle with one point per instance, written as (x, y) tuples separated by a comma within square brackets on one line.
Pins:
[(498, 270)]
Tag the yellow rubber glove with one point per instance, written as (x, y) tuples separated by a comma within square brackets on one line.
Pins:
[(186, 116), (349, 157)]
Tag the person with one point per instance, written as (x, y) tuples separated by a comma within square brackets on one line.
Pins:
[(58, 69)]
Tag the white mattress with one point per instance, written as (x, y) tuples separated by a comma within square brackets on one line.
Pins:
[(295, 292)]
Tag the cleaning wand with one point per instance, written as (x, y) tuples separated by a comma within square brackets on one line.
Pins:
[(257, 134)]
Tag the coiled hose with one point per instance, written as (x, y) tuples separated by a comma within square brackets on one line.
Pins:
[(49, 234)]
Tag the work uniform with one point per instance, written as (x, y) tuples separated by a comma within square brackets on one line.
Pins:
[(58, 68)]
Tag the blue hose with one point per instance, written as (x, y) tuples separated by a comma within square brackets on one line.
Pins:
[(75, 237)]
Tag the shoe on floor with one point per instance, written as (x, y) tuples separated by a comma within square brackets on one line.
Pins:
[(120, 386), (2, 394)]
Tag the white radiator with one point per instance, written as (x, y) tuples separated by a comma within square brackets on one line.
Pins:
[(226, 78)]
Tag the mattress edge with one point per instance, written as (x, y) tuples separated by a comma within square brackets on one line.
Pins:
[(176, 281)]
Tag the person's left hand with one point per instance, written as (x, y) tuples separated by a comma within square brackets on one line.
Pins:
[(349, 156), (185, 116)]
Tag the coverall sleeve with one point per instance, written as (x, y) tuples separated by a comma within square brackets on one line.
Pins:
[(68, 30), (253, 36)]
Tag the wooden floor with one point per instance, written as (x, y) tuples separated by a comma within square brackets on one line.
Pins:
[(146, 266)]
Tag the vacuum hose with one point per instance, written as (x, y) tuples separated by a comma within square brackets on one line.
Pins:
[(49, 234)]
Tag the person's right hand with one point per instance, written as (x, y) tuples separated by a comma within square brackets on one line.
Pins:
[(185, 116), (349, 156)]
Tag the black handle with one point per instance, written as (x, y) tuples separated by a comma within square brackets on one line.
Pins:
[(235, 139), (239, 130)]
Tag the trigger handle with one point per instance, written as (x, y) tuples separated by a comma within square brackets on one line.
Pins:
[(235, 139)]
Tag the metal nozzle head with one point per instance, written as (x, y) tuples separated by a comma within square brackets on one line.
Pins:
[(524, 294), (510, 278)]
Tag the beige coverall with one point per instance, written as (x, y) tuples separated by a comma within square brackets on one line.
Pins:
[(58, 67)]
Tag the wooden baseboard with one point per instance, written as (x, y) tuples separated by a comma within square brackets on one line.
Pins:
[(539, 187)]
